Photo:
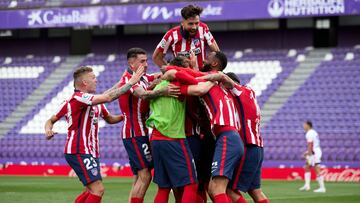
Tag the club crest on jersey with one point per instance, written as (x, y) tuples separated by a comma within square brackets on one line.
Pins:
[(196, 42), (94, 171)]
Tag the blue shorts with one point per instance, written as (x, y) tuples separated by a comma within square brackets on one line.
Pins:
[(174, 165), (248, 174), (229, 149), (138, 150), (195, 147), (86, 167)]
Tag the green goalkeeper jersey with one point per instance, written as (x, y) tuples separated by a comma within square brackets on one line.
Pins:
[(168, 114)]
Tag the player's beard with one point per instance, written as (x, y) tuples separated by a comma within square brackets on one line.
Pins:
[(206, 68)]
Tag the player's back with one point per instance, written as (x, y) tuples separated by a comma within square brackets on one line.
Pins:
[(249, 114), (220, 107)]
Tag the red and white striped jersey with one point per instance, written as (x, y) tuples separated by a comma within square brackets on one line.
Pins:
[(180, 46), (249, 111), (220, 108), (83, 123), (135, 110)]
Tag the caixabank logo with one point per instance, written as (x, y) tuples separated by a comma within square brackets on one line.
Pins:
[(293, 8), (50, 17)]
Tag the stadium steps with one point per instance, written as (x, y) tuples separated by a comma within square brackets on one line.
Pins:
[(292, 83), (51, 82), (53, 3)]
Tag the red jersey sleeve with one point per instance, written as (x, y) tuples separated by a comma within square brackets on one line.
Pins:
[(62, 110), (236, 90), (183, 88), (104, 110), (84, 99), (208, 36), (165, 42)]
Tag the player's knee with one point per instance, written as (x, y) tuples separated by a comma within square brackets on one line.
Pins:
[(97, 188), (145, 176), (257, 195)]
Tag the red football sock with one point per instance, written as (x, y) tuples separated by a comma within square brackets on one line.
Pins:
[(201, 197), (162, 195), (264, 201), (93, 199), (185, 78), (221, 198), (82, 197), (190, 193), (241, 200), (136, 200)]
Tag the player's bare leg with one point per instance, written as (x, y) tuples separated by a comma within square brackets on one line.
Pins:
[(96, 191), (217, 189), (142, 183), (258, 196), (320, 179), (235, 196), (132, 187), (307, 178)]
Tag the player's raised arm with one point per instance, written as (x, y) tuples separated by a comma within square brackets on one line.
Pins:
[(170, 90), (220, 77), (199, 89), (159, 58), (114, 93)]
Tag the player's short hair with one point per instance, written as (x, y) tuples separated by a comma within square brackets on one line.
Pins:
[(309, 123), (178, 61), (80, 72), (233, 76), (191, 11), (133, 52), (222, 59)]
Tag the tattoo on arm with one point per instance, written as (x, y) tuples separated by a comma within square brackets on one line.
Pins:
[(115, 93), (150, 94)]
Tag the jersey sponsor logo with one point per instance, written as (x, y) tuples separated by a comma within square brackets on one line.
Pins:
[(196, 51)]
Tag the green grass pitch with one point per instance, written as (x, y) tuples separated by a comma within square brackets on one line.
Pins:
[(64, 190)]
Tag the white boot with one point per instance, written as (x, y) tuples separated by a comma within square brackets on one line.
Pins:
[(322, 188), (305, 188)]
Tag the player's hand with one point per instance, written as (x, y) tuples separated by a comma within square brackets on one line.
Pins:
[(172, 91), (306, 154), (49, 133), (137, 75), (193, 60)]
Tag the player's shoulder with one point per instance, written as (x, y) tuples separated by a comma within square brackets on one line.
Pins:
[(202, 24), (311, 132), (171, 30), (82, 97)]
